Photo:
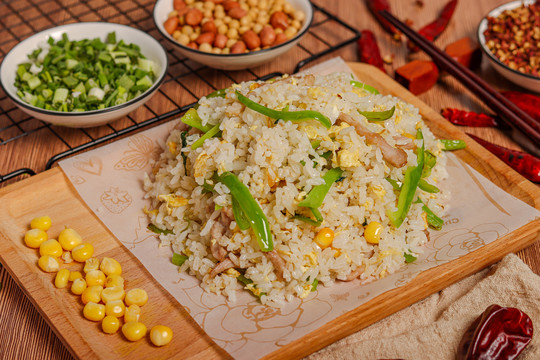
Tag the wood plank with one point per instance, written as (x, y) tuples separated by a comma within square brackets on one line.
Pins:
[(51, 193)]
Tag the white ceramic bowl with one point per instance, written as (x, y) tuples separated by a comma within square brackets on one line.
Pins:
[(162, 8), (150, 48), (527, 81)]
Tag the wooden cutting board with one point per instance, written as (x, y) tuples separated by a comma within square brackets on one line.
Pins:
[(50, 193)]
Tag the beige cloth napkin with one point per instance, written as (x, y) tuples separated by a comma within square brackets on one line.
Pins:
[(433, 327)]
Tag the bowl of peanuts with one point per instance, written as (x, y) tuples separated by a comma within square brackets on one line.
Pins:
[(509, 36), (233, 34)]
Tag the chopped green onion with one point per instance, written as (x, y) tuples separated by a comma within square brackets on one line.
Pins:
[(315, 143), (409, 258), (314, 285), (244, 280), (153, 228), (378, 115), (294, 116), (209, 134), (450, 145), (251, 209), (179, 259), (366, 87)]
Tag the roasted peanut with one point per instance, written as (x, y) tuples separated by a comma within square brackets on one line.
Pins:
[(220, 41), (237, 13), (238, 48), (229, 4), (251, 39), (279, 20), (194, 17), (178, 5), (268, 36), (206, 37), (280, 38), (209, 26), (171, 24), (192, 45)]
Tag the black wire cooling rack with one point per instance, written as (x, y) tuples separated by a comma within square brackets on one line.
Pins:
[(186, 80)]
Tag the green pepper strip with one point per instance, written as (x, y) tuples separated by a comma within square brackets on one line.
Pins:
[(433, 220), (239, 216), (178, 259), (408, 190), (284, 115), (378, 115), (395, 184), (191, 118), (366, 87), (427, 187), (316, 196), (209, 134), (409, 258), (218, 93), (251, 209), (429, 162), (314, 285), (153, 228), (453, 144)]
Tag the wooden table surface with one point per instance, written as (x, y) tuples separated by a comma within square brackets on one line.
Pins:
[(23, 333)]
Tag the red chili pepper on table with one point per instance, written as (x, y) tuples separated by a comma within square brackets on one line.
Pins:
[(378, 5), (468, 118), (527, 102), (526, 164), (499, 333), (432, 30), (368, 50)]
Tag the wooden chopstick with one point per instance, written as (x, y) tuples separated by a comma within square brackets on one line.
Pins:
[(508, 111)]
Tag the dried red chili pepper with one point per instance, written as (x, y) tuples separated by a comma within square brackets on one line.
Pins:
[(432, 30), (468, 118), (526, 164), (527, 102), (368, 50), (378, 5)]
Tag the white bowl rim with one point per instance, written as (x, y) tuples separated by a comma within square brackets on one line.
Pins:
[(305, 26), (482, 40), (148, 92)]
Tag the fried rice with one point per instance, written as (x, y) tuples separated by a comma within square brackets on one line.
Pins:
[(280, 162)]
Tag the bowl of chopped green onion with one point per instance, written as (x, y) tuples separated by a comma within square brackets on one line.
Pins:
[(84, 74)]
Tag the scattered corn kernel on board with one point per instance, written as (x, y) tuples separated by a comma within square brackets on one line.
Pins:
[(50, 193)]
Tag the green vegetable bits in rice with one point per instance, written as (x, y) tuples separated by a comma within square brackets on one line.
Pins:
[(275, 187)]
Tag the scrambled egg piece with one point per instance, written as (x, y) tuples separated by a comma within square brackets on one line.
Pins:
[(378, 190), (172, 201), (335, 129), (386, 253), (310, 131), (306, 291), (150, 212), (172, 147), (314, 92), (253, 289), (312, 257), (233, 272), (424, 217), (347, 158), (200, 165)]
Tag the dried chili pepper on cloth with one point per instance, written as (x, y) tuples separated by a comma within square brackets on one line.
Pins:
[(468, 118), (432, 30), (526, 164), (378, 5), (368, 50), (499, 333)]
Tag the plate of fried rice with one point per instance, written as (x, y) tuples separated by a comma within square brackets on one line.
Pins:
[(277, 187)]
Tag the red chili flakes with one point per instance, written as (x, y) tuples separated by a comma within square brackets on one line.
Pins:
[(514, 38)]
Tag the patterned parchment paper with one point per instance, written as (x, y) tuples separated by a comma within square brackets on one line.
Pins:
[(109, 180)]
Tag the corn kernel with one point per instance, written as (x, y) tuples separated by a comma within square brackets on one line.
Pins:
[(79, 286), (48, 263), (91, 264), (75, 275), (324, 238), (134, 330), (115, 308), (110, 266), (61, 279), (161, 335), (35, 237), (95, 277), (114, 280), (132, 313), (137, 297), (110, 324), (112, 293), (82, 252), (69, 239), (372, 232), (51, 247), (92, 294), (93, 311), (41, 222)]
